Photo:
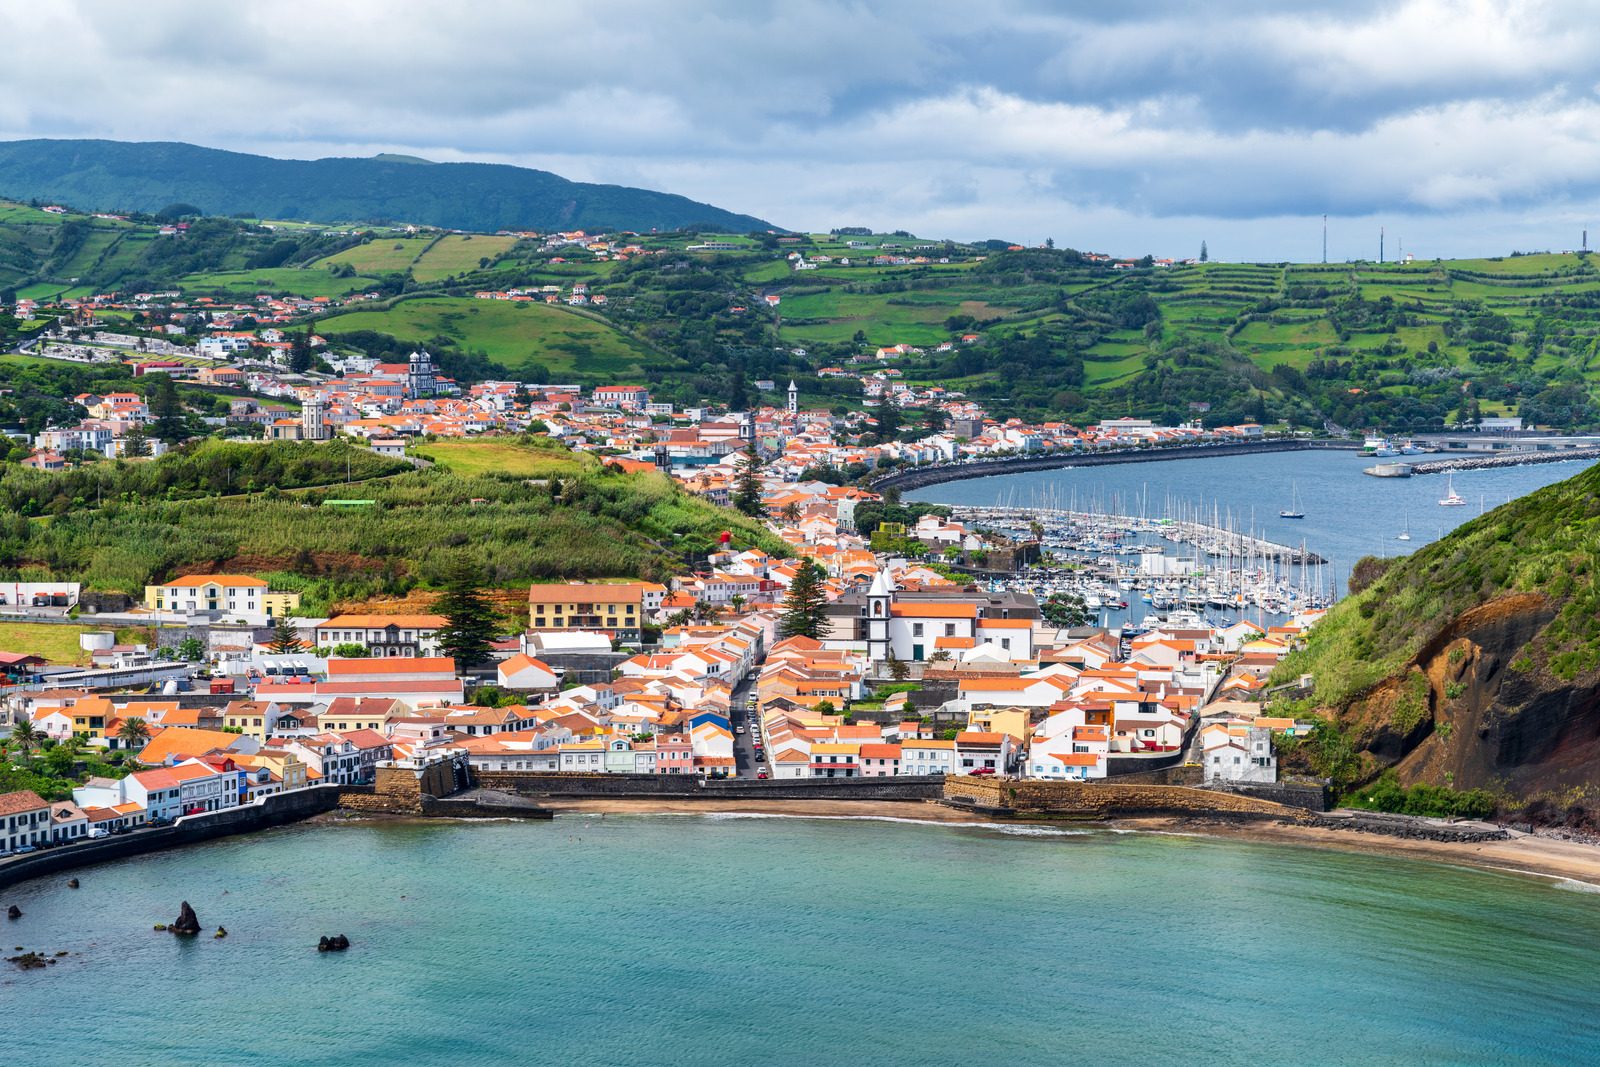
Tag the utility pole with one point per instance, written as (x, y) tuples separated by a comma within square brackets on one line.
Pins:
[(1324, 238)]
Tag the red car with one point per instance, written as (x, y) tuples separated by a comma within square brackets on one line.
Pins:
[(761, 774), (980, 772)]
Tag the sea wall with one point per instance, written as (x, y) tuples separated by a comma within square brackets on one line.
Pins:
[(275, 810), (538, 784), (1095, 800), (919, 477)]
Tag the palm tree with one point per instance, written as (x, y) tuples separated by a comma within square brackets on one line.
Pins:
[(680, 617), (24, 736), (134, 731), (790, 513), (736, 602)]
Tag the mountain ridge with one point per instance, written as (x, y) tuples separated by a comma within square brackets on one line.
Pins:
[(106, 175)]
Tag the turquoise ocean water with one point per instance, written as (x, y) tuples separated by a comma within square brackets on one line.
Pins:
[(739, 940)]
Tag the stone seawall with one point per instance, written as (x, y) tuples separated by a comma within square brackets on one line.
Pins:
[(1090, 800), (276, 810), (692, 787), (920, 477)]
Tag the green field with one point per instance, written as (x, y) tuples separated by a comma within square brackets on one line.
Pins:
[(566, 342), (291, 281), (458, 254), (379, 255), (542, 458), (57, 643)]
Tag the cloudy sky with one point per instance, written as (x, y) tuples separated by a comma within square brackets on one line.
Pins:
[(1462, 127)]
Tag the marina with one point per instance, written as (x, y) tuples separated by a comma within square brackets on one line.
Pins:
[(1347, 514), (1127, 567)]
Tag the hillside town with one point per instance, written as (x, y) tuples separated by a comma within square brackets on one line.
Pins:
[(909, 669)]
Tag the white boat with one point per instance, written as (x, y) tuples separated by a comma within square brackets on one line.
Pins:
[(1293, 510), (1405, 530), (1452, 499)]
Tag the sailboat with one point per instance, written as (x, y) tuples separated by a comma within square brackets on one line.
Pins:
[(1293, 510), (1452, 499), (1405, 530)]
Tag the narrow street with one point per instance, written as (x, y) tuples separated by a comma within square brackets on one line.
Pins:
[(744, 743)]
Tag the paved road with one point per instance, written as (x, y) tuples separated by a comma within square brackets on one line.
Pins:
[(743, 744)]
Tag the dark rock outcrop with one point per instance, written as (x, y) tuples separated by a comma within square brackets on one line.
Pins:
[(186, 922), (336, 943), (13, 912), (72, 883)]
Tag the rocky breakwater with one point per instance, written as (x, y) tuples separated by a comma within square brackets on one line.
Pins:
[(1411, 827)]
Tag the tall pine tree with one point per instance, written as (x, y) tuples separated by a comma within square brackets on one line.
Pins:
[(284, 640), (805, 609), (470, 626), (747, 495), (169, 422)]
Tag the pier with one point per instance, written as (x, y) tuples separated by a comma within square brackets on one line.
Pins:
[(1213, 540)]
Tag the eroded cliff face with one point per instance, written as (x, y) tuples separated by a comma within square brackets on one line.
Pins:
[(1474, 710)]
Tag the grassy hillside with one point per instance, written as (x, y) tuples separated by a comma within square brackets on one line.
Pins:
[(115, 175), (1547, 543), (516, 336), (591, 523)]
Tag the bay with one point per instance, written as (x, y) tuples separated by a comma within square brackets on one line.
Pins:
[(736, 940), (1347, 514)]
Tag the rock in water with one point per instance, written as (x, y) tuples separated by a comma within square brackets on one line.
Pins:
[(72, 883), (337, 943), (186, 922), (13, 912)]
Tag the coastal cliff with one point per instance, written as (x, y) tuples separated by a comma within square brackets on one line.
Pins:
[(1475, 662)]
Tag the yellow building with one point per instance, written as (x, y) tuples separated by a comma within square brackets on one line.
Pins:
[(281, 762), (616, 609), (1013, 721), (221, 593)]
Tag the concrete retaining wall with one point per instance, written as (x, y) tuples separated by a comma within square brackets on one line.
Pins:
[(275, 810), (536, 784)]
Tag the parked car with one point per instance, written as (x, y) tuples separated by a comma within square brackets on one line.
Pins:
[(761, 774), (980, 772)]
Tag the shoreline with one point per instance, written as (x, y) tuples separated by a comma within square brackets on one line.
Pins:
[(1523, 854)]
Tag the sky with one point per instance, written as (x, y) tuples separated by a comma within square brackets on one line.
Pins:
[(1141, 126)]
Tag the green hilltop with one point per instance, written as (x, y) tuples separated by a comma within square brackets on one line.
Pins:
[(147, 176), (1402, 348)]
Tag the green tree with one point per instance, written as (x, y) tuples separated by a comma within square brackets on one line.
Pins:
[(284, 640), (1066, 610), (898, 668), (300, 356), (166, 411), (191, 649), (747, 495), (25, 736), (805, 608), (1204, 254), (137, 443), (470, 628), (133, 732), (350, 650)]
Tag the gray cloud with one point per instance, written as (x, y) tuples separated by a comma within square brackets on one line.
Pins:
[(1133, 126)]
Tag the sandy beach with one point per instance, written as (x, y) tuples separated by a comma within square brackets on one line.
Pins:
[(1522, 853)]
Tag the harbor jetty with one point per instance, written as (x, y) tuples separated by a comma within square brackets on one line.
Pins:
[(1504, 459)]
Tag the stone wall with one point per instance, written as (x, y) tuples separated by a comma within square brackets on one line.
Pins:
[(1293, 794), (539, 784), (1094, 800), (1182, 774), (275, 810)]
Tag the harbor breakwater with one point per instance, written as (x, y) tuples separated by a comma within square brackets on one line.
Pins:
[(919, 477)]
